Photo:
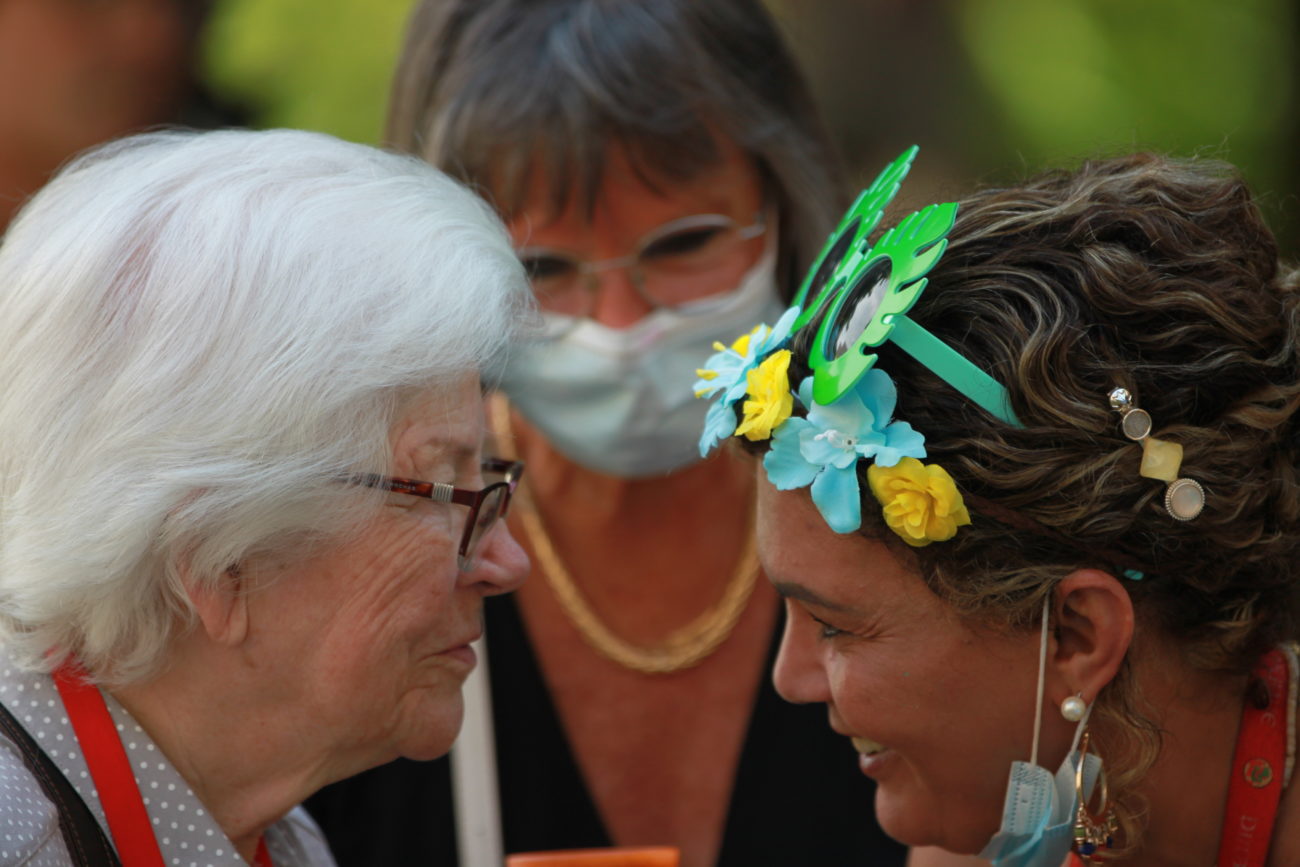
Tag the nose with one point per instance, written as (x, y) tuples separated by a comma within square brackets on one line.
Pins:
[(800, 672), (501, 565), (617, 303)]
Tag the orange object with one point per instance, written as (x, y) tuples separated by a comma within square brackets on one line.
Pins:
[(641, 856)]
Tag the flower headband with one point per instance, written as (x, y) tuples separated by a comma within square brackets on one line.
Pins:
[(865, 292)]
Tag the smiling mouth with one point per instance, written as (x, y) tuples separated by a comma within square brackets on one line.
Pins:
[(868, 747)]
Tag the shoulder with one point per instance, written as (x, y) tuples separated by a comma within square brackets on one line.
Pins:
[(30, 819)]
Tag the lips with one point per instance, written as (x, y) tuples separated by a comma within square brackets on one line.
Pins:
[(867, 747), (463, 651), (467, 640)]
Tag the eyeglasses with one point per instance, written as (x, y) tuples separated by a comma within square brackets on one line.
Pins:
[(485, 506), (679, 262)]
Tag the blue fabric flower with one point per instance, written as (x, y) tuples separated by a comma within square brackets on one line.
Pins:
[(726, 371), (824, 448), (719, 423)]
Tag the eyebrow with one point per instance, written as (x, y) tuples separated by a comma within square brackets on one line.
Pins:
[(800, 593)]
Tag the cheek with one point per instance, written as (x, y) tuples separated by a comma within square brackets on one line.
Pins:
[(948, 780), (396, 584), (929, 710)]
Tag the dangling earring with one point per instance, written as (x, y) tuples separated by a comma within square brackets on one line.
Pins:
[(1093, 832), (1072, 708)]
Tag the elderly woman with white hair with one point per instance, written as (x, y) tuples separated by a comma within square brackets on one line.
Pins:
[(246, 526)]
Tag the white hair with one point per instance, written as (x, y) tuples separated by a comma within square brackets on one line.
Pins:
[(201, 334)]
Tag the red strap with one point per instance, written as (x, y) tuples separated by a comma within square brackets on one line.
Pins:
[(128, 821), (1258, 764)]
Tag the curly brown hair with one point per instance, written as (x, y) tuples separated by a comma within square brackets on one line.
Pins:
[(1143, 272)]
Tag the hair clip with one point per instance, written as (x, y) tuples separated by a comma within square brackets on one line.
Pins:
[(1184, 498)]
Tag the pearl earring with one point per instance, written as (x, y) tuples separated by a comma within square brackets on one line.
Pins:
[(1073, 707)]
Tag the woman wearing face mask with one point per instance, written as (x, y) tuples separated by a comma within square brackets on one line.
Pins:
[(665, 179), (1036, 520)]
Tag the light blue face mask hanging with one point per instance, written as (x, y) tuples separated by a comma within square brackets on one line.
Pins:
[(1039, 810)]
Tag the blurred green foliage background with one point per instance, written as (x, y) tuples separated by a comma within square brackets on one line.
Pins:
[(308, 64), (991, 89)]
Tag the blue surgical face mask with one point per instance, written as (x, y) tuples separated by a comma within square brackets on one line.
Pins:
[(620, 401), (1039, 810)]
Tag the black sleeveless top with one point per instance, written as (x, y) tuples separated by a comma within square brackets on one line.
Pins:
[(798, 797)]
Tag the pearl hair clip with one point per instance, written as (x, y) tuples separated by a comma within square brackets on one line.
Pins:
[(1184, 498)]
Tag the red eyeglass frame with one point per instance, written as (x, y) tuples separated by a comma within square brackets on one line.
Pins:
[(441, 492)]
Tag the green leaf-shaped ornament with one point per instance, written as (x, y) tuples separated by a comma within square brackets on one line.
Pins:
[(910, 249), (848, 243), (882, 283)]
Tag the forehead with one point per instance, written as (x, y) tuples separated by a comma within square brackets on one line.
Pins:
[(628, 203), (804, 557), (441, 426)]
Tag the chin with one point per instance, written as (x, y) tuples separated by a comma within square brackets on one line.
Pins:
[(433, 732), (915, 824), (898, 821)]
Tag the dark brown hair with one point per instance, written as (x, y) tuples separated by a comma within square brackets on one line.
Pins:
[(1158, 276)]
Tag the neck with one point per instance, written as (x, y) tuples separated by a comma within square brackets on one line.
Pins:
[(248, 775), (649, 555), (1187, 788)]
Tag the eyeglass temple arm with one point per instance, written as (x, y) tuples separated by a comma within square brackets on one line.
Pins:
[(953, 368)]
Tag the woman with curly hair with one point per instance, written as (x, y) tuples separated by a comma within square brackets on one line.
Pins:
[(1030, 494)]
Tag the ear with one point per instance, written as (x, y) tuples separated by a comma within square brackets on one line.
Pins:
[(1094, 628), (221, 605)]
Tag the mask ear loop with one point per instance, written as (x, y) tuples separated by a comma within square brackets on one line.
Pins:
[(1042, 681), (1042, 672)]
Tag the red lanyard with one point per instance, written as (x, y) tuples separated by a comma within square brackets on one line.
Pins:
[(110, 769), (1258, 766)]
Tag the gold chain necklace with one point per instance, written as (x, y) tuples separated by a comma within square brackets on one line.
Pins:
[(684, 647)]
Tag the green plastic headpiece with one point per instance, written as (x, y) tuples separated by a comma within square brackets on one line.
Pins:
[(867, 291)]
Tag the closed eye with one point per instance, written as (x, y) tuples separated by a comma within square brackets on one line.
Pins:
[(684, 243), (825, 630), (542, 267)]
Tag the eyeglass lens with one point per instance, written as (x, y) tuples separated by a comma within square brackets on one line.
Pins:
[(682, 261), (488, 512)]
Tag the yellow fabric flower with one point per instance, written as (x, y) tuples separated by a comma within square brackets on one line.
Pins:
[(769, 401), (741, 345), (921, 501)]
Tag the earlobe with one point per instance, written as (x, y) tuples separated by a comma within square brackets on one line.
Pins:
[(1094, 628), (221, 605)]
